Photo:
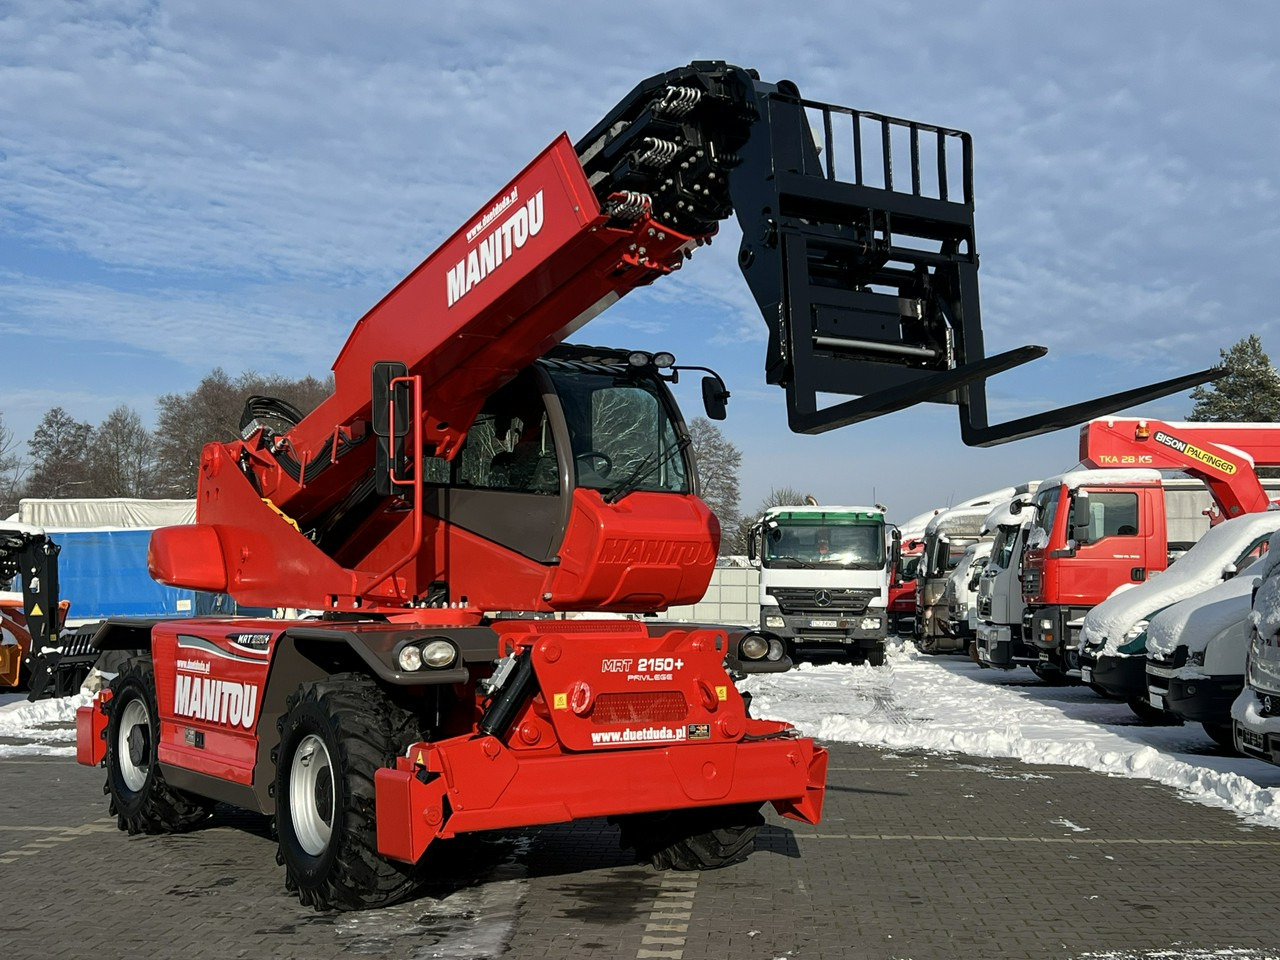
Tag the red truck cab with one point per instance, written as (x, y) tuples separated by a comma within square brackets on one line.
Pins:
[(1093, 531)]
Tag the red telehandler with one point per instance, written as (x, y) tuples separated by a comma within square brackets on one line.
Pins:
[(473, 477)]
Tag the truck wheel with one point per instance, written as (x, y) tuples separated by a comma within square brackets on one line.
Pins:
[(140, 798), (875, 656), (702, 839), (1221, 734), (1153, 716), (334, 735)]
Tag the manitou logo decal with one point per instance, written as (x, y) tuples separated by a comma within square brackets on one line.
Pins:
[(216, 701), (1195, 453), (621, 550), (494, 250)]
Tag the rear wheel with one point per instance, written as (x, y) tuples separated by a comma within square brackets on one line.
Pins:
[(335, 734), (706, 838), (140, 798)]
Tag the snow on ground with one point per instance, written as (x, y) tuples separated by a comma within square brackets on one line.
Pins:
[(951, 705), (942, 704), (47, 727)]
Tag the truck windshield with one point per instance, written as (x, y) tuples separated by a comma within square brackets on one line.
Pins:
[(622, 432), (848, 543), (1046, 511)]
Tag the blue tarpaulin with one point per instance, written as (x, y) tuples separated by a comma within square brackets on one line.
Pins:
[(104, 574)]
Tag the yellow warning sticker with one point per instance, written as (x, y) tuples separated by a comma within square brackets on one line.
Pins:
[(560, 701), (36, 611), (419, 761), (722, 693)]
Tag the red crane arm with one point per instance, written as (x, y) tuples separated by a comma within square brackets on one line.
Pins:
[(1223, 455)]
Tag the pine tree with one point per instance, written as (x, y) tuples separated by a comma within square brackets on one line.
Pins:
[(1249, 392)]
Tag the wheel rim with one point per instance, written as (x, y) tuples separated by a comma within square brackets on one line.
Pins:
[(311, 795), (134, 715)]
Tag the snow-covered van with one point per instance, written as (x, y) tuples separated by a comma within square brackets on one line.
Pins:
[(1196, 653), (1113, 640), (961, 592), (1255, 714)]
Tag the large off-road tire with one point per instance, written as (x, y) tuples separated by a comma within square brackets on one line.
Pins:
[(875, 656), (334, 735), (706, 838), (140, 798)]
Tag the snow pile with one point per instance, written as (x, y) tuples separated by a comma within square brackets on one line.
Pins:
[(953, 706), (47, 725), (1201, 567)]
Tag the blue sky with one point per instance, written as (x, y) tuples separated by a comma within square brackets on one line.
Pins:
[(186, 185)]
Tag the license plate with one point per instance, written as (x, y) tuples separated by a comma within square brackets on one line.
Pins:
[(1155, 700), (1250, 739), (829, 624), (1086, 674)]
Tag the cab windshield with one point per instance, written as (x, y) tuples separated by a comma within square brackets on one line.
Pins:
[(850, 544), (622, 433)]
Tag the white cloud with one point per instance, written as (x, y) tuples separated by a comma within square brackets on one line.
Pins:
[(235, 183)]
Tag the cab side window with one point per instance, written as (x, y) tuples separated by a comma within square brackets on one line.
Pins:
[(509, 447)]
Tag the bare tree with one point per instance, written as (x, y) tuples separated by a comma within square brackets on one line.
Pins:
[(11, 471), (718, 463), (59, 456), (211, 413), (121, 457)]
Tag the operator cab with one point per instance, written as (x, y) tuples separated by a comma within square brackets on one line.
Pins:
[(578, 419)]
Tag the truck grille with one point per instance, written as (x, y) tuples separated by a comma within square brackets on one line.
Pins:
[(668, 706), (810, 601), (1030, 581)]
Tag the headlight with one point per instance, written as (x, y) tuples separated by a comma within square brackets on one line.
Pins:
[(410, 658), (439, 654), (774, 622), (1046, 624), (1137, 630), (753, 647), (1196, 658), (776, 649), (870, 623)]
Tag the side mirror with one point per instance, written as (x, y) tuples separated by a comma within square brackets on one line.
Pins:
[(715, 397), (753, 539), (895, 547), (1081, 518), (390, 422), (1229, 571), (1016, 505)]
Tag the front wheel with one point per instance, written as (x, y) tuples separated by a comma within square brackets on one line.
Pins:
[(1221, 734), (1153, 716), (140, 798), (335, 734)]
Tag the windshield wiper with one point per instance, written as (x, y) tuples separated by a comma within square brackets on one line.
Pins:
[(796, 560), (644, 470)]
